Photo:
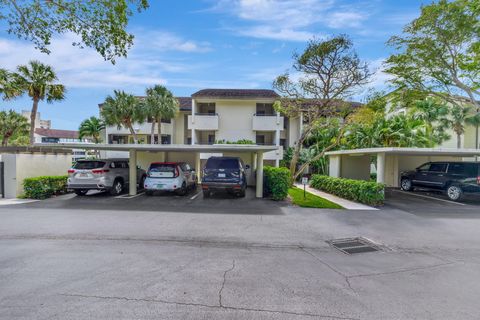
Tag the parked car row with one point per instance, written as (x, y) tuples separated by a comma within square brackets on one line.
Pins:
[(112, 175), (454, 178)]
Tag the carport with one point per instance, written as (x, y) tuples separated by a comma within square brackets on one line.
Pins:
[(390, 162), (146, 153)]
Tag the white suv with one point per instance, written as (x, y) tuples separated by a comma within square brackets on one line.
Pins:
[(170, 176)]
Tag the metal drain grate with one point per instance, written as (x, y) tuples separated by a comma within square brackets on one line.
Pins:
[(354, 245)]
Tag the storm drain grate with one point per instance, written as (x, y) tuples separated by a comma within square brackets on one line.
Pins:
[(354, 245)]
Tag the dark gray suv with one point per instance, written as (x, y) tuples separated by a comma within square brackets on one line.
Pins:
[(455, 178), (224, 173), (111, 175)]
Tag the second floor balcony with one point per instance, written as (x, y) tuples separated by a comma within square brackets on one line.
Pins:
[(203, 122), (267, 122)]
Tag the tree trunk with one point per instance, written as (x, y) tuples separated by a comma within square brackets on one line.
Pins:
[(459, 141), (4, 142), (152, 132), (33, 117), (134, 134), (476, 137), (294, 161), (159, 123)]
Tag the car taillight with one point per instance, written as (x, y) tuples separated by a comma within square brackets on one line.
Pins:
[(177, 172), (70, 171), (100, 171), (478, 180)]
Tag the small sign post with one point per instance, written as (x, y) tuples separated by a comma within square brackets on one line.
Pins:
[(304, 182)]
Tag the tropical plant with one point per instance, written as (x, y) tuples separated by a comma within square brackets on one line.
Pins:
[(99, 24), (12, 124), (458, 118), (91, 127), (122, 109), (430, 112), (160, 104), (330, 71), (38, 81)]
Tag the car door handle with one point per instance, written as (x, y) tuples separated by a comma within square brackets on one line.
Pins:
[(440, 175)]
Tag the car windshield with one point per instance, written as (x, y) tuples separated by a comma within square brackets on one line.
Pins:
[(222, 163), (162, 170), (88, 165)]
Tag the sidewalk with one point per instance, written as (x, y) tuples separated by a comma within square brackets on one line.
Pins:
[(8, 202), (347, 204)]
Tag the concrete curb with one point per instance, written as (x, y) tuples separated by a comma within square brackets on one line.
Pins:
[(347, 204), (13, 201)]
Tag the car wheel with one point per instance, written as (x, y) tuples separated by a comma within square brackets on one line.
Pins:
[(206, 194), (141, 185), (149, 193), (117, 188), (241, 194), (454, 192), (406, 184), (81, 192), (183, 190)]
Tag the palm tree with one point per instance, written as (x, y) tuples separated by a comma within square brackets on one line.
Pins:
[(459, 117), (12, 124), (160, 104), (38, 81), (91, 127), (123, 109), (430, 112)]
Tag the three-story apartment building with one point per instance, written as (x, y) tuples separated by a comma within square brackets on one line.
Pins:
[(216, 116)]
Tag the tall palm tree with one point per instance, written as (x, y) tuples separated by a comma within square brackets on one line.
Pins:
[(38, 81), (91, 127), (430, 112), (12, 124), (160, 104), (459, 117), (123, 109)]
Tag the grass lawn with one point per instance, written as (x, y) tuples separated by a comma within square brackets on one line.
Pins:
[(311, 200)]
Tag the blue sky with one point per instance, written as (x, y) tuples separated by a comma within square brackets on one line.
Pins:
[(193, 44)]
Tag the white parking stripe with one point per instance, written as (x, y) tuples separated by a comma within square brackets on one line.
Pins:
[(193, 197), (127, 196), (428, 197)]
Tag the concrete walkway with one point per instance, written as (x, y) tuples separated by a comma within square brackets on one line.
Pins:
[(347, 204), (13, 201)]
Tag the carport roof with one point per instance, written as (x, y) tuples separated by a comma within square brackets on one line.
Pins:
[(410, 151), (161, 147)]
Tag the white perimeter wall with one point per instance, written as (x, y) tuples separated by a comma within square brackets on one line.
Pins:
[(25, 165)]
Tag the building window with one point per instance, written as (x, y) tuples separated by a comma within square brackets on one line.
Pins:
[(206, 108), (117, 139), (260, 139), (265, 109), (283, 143), (166, 139), (189, 140), (50, 140), (166, 120), (211, 139)]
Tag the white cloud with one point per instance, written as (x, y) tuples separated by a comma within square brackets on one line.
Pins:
[(85, 68), (289, 20)]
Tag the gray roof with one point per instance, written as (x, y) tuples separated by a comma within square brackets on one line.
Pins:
[(236, 93)]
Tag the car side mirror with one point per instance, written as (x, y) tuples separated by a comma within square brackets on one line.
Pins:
[(247, 166)]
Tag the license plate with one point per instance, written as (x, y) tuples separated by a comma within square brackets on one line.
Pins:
[(221, 175), (160, 185), (83, 175)]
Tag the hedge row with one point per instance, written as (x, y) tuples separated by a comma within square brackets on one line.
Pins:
[(276, 182), (44, 187), (368, 192)]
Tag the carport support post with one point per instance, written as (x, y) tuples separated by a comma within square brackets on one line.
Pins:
[(198, 169), (381, 167), (259, 187), (132, 185)]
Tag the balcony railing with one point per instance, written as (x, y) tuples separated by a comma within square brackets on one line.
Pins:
[(267, 122), (203, 122)]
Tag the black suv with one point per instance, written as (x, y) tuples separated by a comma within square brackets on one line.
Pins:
[(224, 173), (455, 178)]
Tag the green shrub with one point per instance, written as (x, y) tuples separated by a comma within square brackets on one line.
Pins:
[(277, 182), (44, 187), (368, 192)]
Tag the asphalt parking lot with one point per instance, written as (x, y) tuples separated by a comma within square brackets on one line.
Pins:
[(433, 204)]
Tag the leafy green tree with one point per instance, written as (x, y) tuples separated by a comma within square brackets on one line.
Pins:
[(439, 52), (38, 81), (330, 72), (431, 112), (99, 24), (12, 124), (160, 104), (459, 117), (122, 109), (91, 127)]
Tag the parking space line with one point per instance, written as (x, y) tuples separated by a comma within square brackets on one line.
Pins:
[(195, 196), (428, 197), (126, 196)]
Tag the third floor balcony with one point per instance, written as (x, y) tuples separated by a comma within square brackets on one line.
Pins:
[(267, 122), (203, 121)]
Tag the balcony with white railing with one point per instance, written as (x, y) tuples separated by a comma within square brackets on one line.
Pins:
[(267, 122), (203, 121)]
